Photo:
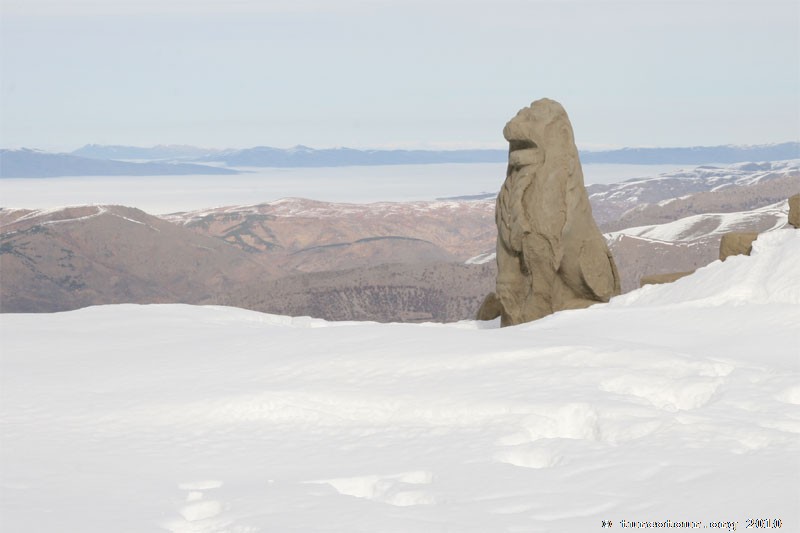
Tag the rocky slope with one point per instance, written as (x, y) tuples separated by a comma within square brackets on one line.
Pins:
[(439, 292), (730, 199), (60, 259), (439, 230)]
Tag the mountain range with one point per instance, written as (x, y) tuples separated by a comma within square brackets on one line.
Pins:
[(389, 261), (695, 155), (26, 163), (304, 156), (115, 160)]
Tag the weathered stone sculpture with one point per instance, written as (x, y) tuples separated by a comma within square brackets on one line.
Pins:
[(794, 210), (550, 254), (736, 243)]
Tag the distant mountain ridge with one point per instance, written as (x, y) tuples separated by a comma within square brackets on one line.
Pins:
[(117, 160), (696, 155), (297, 156), (161, 152), (304, 156), (27, 163)]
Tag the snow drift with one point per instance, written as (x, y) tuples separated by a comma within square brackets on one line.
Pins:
[(672, 403)]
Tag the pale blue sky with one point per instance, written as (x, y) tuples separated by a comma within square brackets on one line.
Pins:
[(405, 73)]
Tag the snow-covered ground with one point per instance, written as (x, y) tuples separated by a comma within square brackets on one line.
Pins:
[(676, 403)]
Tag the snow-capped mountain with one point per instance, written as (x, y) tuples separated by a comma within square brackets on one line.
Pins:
[(675, 403)]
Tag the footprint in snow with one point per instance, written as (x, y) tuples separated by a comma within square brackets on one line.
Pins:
[(197, 512), (401, 490)]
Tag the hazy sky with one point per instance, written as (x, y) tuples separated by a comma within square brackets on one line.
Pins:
[(406, 73)]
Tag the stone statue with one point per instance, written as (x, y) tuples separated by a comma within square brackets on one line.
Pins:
[(550, 253)]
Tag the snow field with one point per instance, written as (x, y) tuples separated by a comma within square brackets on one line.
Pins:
[(676, 402)]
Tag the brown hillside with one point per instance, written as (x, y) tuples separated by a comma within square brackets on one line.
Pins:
[(64, 259), (460, 228)]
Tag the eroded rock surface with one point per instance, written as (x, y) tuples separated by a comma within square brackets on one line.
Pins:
[(550, 254)]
